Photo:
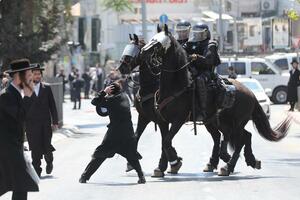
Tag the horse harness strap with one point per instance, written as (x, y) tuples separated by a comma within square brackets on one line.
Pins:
[(165, 102), (143, 99)]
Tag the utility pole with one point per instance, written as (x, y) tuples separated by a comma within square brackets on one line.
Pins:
[(221, 26), (144, 18), (236, 34)]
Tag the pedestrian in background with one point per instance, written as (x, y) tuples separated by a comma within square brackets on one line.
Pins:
[(77, 86), (15, 101), (99, 72), (119, 137), (41, 118), (293, 83), (231, 72), (71, 78), (87, 83), (62, 75)]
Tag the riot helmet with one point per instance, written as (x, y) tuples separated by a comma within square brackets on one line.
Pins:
[(199, 33), (183, 30)]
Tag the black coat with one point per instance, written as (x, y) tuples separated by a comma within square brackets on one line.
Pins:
[(119, 137), (13, 174), (293, 83), (77, 86), (41, 115)]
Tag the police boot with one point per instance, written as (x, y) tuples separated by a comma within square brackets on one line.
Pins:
[(202, 96)]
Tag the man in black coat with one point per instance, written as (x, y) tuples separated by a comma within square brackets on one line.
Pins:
[(41, 116), (87, 83), (77, 86), (293, 83), (15, 100), (119, 137)]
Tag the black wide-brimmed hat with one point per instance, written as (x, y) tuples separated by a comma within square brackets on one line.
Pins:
[(37, 66), (295, 61), (19, 65)]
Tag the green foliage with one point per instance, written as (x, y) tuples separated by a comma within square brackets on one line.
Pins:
[(33, 28), (118, 5), (293, 14)]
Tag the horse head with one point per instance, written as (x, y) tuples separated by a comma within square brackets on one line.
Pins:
[(129, 58), (158, 46)]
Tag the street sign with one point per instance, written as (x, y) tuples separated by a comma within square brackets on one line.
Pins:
[(163, 18)]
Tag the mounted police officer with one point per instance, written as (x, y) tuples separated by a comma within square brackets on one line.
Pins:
[(182, 31), (204, 57)]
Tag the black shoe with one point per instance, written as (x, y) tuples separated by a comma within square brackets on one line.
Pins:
[(142, 180), (82, 179), (49, 168), (291, 109)]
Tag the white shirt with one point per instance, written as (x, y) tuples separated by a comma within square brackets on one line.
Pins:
[(37, 89), (18, 89)]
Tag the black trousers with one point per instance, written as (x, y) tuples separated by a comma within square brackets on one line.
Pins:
[(95, 163), (36, 161), (19, 196), (79, 102)]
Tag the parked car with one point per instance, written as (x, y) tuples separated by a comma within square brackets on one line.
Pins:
[(267, 73), (259, 93), (282, 60)]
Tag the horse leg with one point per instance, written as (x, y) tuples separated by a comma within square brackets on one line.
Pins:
[(170, 151), (163, 161), (141, 125), (226, 130), (214, 159), (249, 156), (238, 145)]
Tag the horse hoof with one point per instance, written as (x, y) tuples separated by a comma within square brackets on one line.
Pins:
[(224, 171), (175, 168), (208, 168), (158, 173), (129, 168), (257, 164)]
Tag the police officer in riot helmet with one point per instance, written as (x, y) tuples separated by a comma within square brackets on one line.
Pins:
[(204, 57), (182, 31)]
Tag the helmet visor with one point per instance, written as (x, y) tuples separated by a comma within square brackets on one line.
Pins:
[(198, 35)]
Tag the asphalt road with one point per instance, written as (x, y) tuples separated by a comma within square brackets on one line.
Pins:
[(279, 177)]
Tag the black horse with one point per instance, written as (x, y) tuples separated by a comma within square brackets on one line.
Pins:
[(144, 100), (165, 52)]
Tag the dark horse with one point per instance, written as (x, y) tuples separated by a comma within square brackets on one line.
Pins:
[(168, 54), (144, 100)]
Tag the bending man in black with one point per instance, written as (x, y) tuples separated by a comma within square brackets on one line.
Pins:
[(119, 137)]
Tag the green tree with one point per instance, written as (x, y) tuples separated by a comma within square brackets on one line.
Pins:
[(118, 6), (293, 14), (32, 28)]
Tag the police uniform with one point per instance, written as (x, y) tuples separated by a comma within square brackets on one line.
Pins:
[(202, 66)]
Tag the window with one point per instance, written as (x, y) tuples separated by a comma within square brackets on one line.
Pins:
[(240, 67), (260, 68), (282, 63), (222, 68)]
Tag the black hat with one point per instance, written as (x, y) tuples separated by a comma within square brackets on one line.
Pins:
[(295, 61), (19, 65), (37, 66)]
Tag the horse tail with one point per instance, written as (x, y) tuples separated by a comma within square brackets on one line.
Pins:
[(263, 126)]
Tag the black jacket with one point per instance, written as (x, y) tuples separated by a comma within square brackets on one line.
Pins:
[(209, 57), (40, 116), (119, 137), (13, 174), (293, 83)]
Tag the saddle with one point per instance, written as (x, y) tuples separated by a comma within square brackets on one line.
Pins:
[(226, 94)]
